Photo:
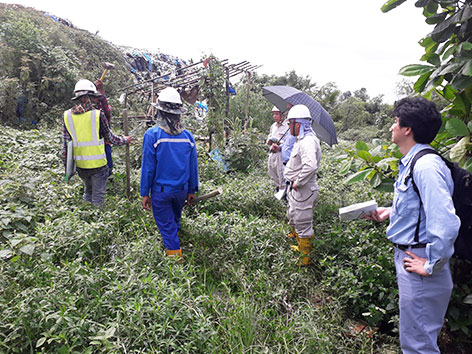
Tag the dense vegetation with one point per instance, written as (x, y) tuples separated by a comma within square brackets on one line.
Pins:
[(75, 279), (40, 62)]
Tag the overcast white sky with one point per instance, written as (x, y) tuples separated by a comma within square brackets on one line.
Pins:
[(349, 42)]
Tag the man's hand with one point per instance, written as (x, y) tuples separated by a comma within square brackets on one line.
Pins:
[(129, 139), (294, 186), (380, 214), (146, 203), (274, 148), (190, 198), (415, 264)]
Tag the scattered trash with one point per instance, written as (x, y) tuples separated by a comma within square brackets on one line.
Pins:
[(217, 156), (357, 328)]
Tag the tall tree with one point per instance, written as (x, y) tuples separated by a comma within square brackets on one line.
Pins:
[(448, 70)]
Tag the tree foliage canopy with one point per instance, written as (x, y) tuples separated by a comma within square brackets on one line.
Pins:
[(447, 71)]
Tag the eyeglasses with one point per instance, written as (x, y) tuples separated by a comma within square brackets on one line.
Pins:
[(291, 122)]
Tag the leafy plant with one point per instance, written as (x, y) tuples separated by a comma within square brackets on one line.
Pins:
[(447, 71), (377, 165)]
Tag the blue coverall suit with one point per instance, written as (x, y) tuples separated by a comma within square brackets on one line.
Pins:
[(169, 171)]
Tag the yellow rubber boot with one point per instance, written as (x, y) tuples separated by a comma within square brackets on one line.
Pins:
[(292, 233), (305, 248), (177, 254)]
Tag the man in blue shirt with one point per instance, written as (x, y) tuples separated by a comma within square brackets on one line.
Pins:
[(423, 274), (169, 169)]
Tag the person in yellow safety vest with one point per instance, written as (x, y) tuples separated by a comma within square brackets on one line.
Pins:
[(88, 128)]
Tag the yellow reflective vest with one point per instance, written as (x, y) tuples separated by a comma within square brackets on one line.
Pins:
[(89, 149)]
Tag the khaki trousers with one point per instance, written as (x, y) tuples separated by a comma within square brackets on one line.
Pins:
[(275, 169), (300, 209)]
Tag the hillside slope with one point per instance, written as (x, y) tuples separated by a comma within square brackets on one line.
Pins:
[(40, 61)]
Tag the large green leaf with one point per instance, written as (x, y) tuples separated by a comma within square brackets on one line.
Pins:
[(436, 18), (375, 179), (466, 46), (377, 151), (458, 106), (345, 167), (365, 155), (430, 9), (427, 42), (416, 69), (420, 84), (358, 176), (432, 84), (448, 92), (468, 165), (6, 253), (467, 69), (466, 13), (461, 82), (447, 51), (360, 145), (391, 4), (432, 58), (459, 152), (444, 30), (451, 68), (421, 3), (28, 249), (386, 185), (389, 162), (456, 127)]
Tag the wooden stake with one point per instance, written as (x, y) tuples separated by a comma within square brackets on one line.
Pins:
[(208, 195), (246, 116), (126, 131), (226, 122)]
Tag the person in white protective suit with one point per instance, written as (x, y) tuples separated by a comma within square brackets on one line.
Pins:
[(301, 172), (278, 131)]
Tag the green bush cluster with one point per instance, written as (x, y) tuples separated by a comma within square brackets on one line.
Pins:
[(40, 62)]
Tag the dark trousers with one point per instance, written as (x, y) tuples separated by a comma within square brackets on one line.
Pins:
[(109, 158), (95, 184)]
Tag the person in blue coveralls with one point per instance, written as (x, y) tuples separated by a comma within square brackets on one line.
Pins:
[(422, 265), (169, 169)]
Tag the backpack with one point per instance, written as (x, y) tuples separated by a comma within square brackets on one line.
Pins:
[(462, 199)]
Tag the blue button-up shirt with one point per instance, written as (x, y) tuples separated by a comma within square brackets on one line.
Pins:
[(287, 147), (439, 224)]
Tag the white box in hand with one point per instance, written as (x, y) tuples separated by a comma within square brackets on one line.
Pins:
[(355, 211)]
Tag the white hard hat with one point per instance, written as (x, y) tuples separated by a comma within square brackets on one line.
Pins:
[(85, 87), (275, 109), (169, 101), (299, 111)]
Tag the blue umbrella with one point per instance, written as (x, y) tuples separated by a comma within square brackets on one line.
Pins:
[(322, 124)]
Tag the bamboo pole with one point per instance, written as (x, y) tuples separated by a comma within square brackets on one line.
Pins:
[(126, 131), (208, 195), (246, 112), (226, 122)]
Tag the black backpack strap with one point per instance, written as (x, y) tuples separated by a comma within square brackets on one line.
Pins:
[(410, 175)]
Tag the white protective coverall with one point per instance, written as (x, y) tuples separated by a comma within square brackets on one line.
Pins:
[(302, 169), (274, 163)]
